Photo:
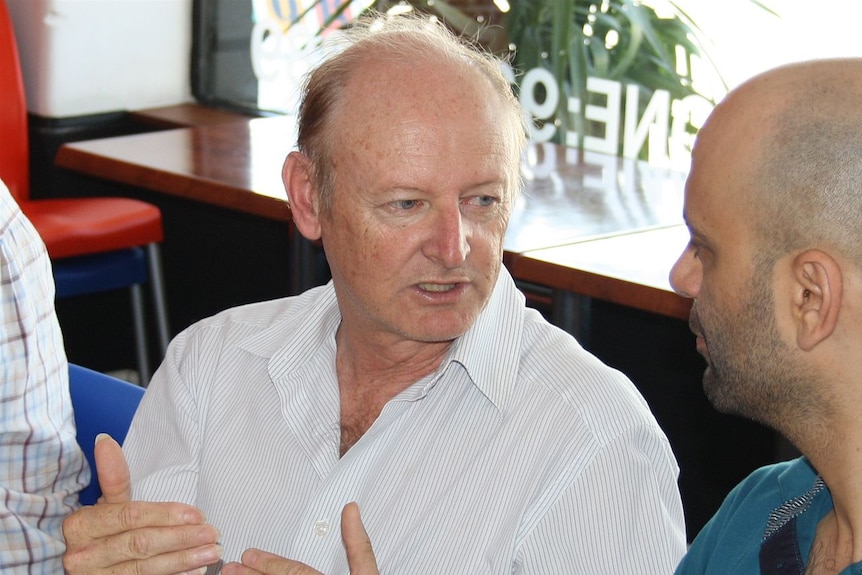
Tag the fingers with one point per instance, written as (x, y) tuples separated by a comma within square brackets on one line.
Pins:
[(175, 548), (185, 561), (257, 562), (113, 471), (139, 537), (360, 555), (106, 519), (119, 536)]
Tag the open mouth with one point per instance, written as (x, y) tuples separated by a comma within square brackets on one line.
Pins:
[(437, 287)]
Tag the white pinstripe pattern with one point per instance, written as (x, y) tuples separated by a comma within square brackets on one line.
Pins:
[(521, 454)]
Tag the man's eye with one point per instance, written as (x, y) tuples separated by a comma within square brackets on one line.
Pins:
[(405, 204), (698, 250), (483, 201)]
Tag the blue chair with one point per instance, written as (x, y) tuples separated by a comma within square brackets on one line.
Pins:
[(102, 404), (96, 273)]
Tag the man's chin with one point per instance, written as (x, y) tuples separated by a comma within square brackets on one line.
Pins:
[(720, 397), (713, 391)]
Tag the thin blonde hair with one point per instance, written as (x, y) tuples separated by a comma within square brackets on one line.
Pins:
[(402, 37)]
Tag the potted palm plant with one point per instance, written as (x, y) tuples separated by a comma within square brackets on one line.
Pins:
[(626, 41), (573, 41)]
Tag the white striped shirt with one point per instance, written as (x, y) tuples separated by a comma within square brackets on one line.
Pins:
[(522, 453)]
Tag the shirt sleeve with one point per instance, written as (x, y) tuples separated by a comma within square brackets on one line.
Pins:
[(623, 514), (730, 541), (42, 468), (163, 443)]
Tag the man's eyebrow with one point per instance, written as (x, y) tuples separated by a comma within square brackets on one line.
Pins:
[(693, 230), (698, 236)]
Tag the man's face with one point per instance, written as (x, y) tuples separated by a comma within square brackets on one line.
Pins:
[(414, 236), (744, 352), (733, 316)]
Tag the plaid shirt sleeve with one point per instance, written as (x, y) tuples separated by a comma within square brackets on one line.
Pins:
[(41, 466)]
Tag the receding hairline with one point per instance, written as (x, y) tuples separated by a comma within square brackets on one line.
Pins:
[(409, 39), (405, 39)]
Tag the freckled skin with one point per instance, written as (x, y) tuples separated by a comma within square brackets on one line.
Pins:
[(415, 168)]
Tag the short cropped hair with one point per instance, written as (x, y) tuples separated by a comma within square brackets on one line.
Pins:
[(402, 37), (810, 178)]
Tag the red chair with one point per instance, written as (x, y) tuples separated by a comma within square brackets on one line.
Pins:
[(88, 239)]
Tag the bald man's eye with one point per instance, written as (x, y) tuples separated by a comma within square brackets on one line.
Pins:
[(694, 248)]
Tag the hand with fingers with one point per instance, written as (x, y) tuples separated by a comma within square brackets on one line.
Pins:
[(360, 555), (118, 535)]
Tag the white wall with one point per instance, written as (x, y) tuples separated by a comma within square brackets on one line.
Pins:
[(84, 57)]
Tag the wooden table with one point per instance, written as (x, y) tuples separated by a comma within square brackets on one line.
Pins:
[(631, 269), (569, 196), (233, 164), (187, 115)]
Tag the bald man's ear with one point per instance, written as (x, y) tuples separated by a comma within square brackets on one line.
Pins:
[(817, 296), (303, 194)]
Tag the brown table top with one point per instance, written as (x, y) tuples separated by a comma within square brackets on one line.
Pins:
[(568, 195), (235, 165), (630, 269), (571, 195), (186, 116)]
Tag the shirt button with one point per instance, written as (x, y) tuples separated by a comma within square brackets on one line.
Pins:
[(321, 528)]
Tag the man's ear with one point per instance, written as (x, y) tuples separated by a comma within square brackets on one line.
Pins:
[(303, 194), (817, 292)]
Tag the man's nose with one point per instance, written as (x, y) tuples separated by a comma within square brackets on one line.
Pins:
[(448, 242), (685, 275)]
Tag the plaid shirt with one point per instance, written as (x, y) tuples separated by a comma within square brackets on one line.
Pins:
[(41, 466)]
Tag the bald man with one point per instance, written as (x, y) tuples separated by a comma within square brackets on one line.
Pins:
[(774, 206)]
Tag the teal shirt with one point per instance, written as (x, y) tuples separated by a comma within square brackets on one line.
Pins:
[(771, 498)]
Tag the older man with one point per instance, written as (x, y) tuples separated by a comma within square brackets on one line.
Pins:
[(774, 205), (476, 437)]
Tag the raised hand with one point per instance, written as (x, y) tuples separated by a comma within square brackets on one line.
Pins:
[(119, 536)]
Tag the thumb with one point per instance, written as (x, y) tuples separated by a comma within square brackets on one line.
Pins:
[(360, 555), (114, 477)]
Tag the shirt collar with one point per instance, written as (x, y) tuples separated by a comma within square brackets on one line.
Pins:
[(301, 332), (489, 351)]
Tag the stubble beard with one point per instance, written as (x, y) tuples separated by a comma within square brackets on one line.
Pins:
[(751, 372)]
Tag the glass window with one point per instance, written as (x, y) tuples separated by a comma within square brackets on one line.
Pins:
[(253, 54)]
